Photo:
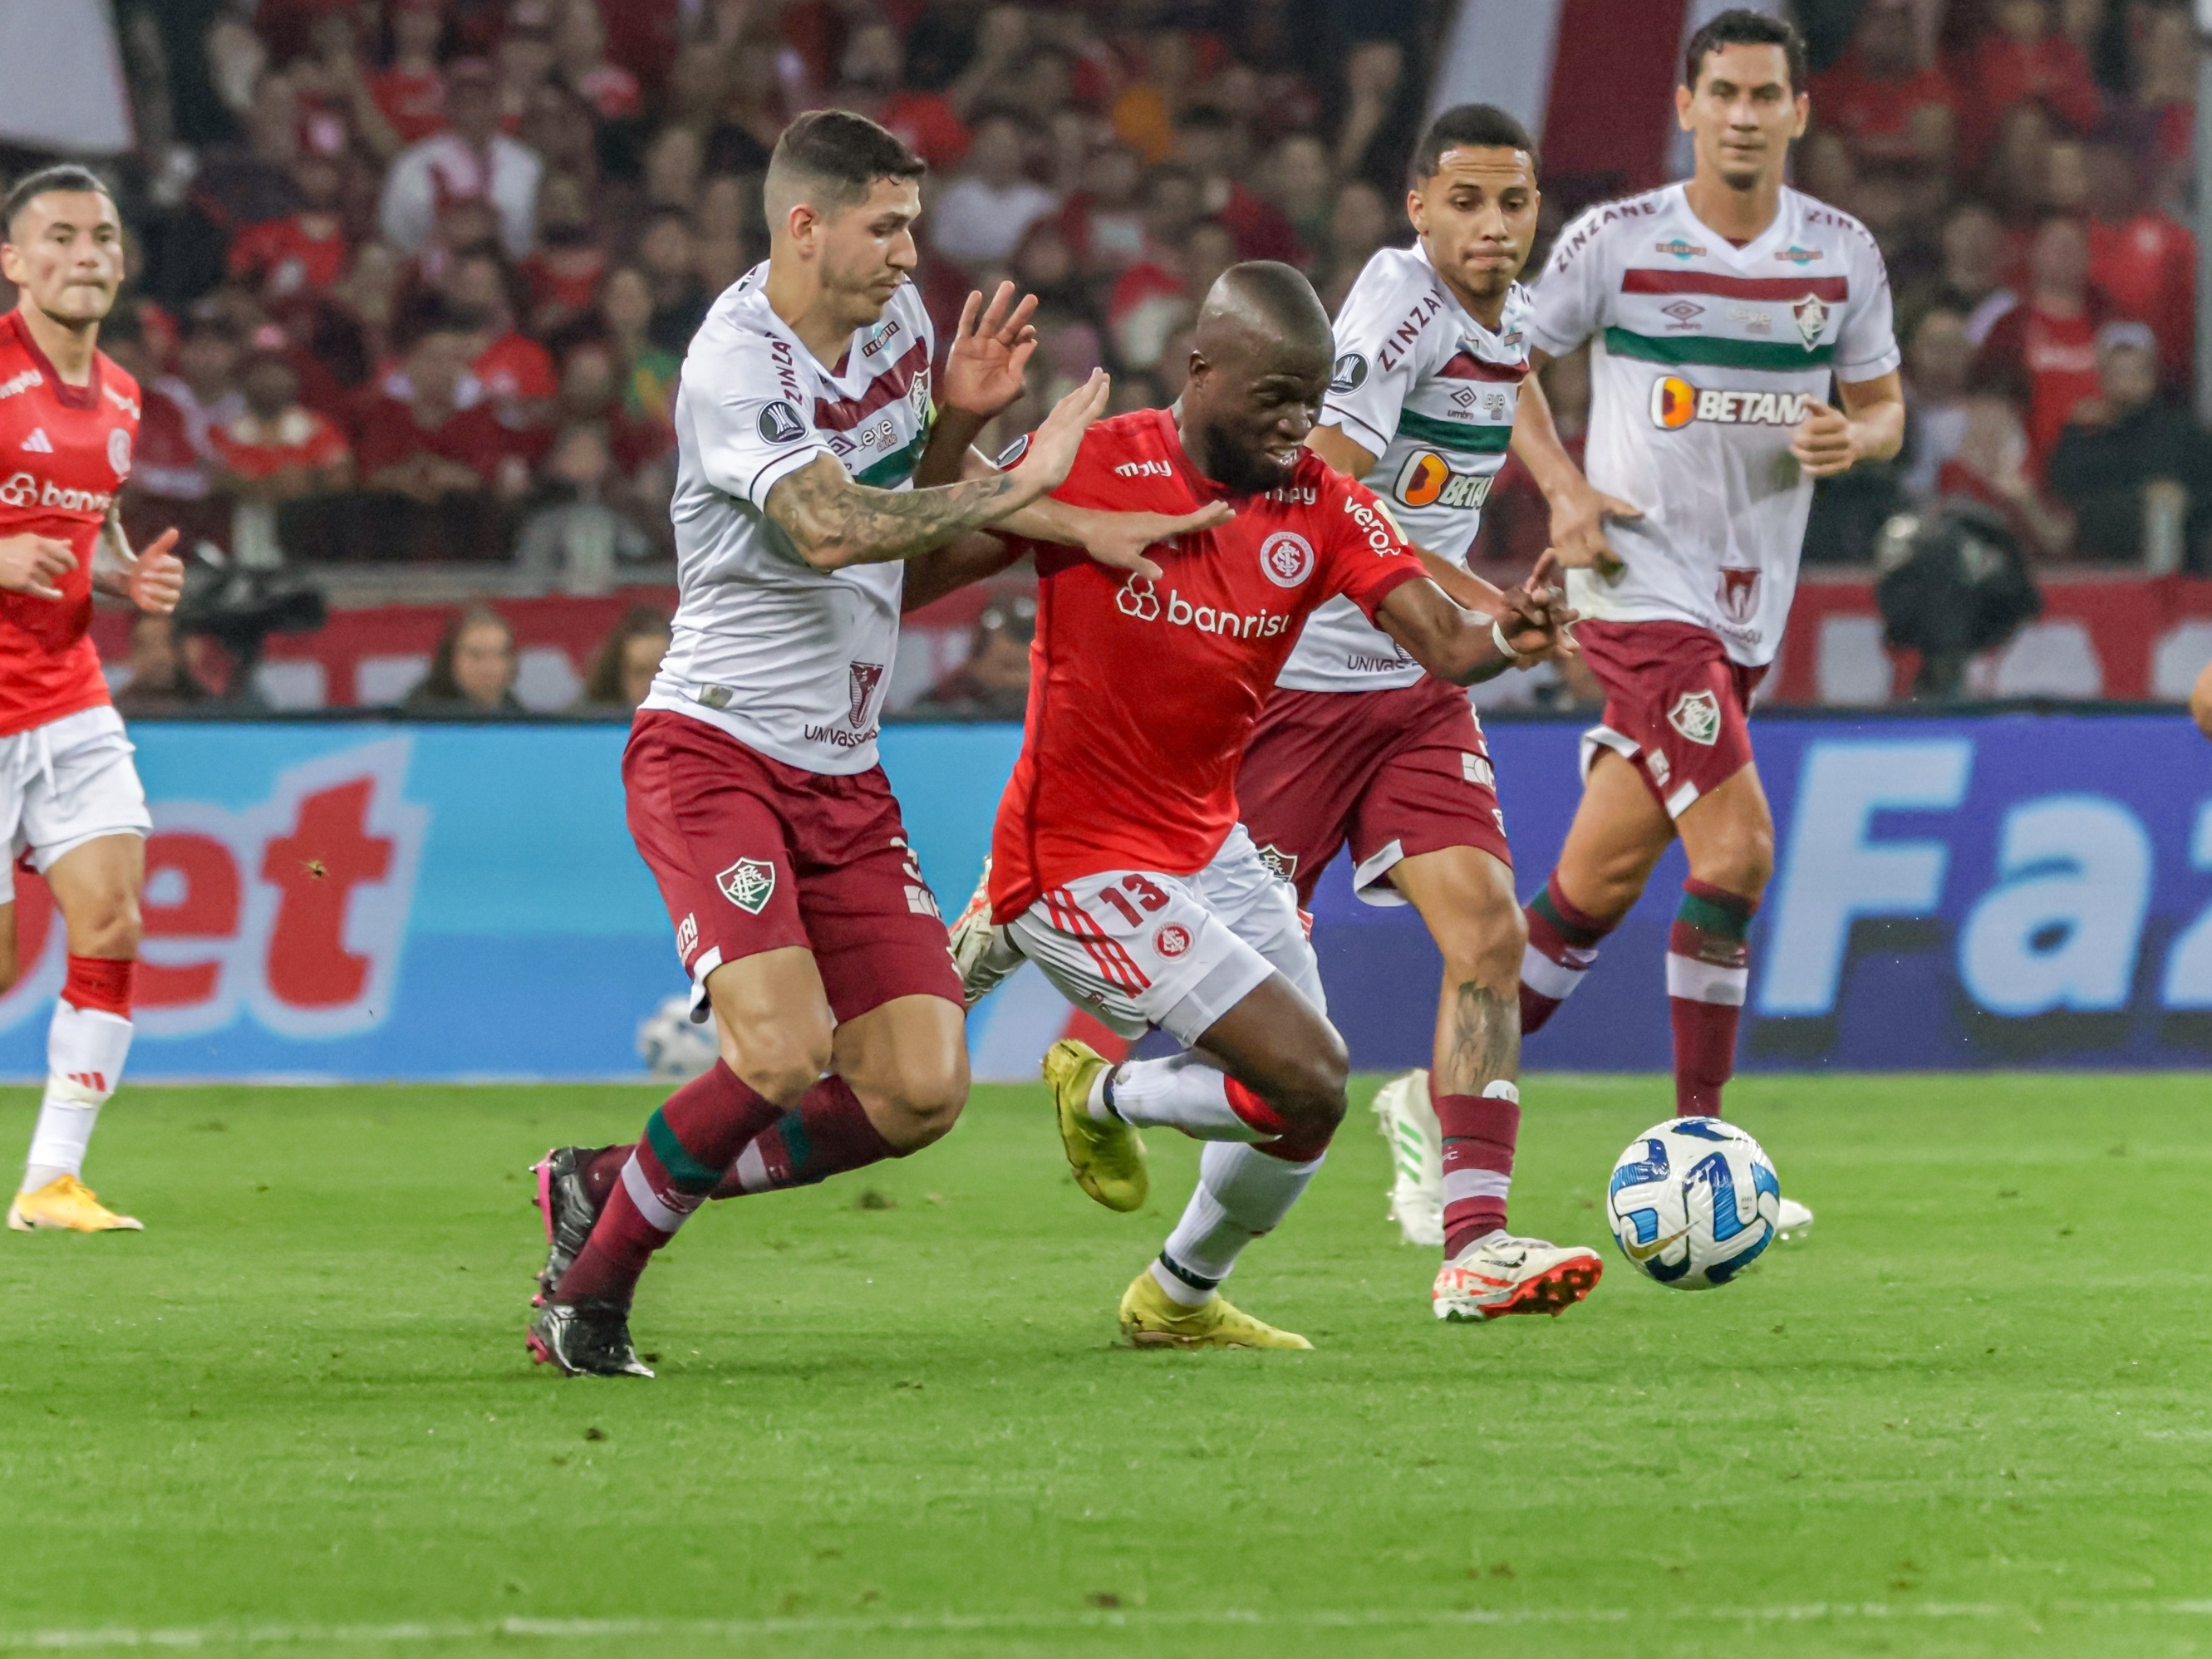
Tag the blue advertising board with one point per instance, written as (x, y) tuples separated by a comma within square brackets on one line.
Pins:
[(376, 901)]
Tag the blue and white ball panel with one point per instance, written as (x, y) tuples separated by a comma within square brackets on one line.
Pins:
[(1693, 1202)]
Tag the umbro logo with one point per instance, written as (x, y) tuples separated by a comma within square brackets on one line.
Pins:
[(38, 443)]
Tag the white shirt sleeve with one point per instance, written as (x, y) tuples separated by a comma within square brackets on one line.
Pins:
[(750, 433), (1569, 299), (1364, 398), (407, 208), (1866, 345)]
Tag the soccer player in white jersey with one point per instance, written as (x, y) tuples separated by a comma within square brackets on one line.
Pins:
[(1718, 310), (1359, 745), (754, 794)]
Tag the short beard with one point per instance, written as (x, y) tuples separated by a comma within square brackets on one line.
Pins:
[(1235, 469)]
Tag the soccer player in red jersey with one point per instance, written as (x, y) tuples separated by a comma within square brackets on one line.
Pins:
[(1118, 866), (69, 794)]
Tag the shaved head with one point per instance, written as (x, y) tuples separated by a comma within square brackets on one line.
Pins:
[(1258, 367)]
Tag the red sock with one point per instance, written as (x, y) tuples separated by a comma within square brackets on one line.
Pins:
[(686, 1145), (1479, 1133), (827, 1133), (98, 983), (603, 1169), (1708, 971), (1563, 943)]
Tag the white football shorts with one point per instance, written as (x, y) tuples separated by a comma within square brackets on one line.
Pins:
[(67, 782), (1138, 948)]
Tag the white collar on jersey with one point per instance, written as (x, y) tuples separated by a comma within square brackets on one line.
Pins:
[(1785, 226)]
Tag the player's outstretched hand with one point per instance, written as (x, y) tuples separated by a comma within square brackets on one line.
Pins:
[(34, 564), (1536, 620), (1052, 447), (1823, 443), (1578, 520), (990, 349), (157, 580), (1118, 539)]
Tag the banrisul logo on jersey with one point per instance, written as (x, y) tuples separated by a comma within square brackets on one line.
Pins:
[(1675, 402), (1427, 480)]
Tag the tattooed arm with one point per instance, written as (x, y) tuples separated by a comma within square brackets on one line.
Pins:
[(834, 522)]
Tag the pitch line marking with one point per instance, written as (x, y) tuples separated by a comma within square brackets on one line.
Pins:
[(557, 1630)]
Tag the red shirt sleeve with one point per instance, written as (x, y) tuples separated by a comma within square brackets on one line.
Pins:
[(1366, 557)]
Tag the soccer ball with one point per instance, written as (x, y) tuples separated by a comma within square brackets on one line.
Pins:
[(671, 1046), (1693, 1202)]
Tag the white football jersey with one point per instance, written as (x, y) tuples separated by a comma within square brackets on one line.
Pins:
[(787, 659), (1704, 358), (1427, 390)]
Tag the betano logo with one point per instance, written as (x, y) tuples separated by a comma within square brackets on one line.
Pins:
[(1427, 480), (1675, 402)]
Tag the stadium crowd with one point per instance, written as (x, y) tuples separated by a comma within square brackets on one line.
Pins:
[(412, 278)]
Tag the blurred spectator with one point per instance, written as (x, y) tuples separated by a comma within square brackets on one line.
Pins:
[(2122, 446), (173, 471), (428, 464), (1973, 281), (273, 451), (473, 671), (1887, 104), (1299, 182), (1212, 148), (514, 371), (2024, 58), (984, 212), (472, 160), (1990, 467), (2141, 259), (1104, 222), (1360, 223), (411, 91), (580, 51), (622, 674), (668, 255), (625, 316), (873, 84), (564, 275), (300, 253), (573, 541), (1938, 361), (2043, 351), (160, 681), (993, 683)]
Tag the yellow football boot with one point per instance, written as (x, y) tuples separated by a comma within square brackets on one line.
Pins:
[(1151, 1318), (67, 1204), (1106, 1155)]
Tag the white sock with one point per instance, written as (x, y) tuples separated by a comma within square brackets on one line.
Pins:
[(1242, 1194), (85, 1051), (1180, 1092)]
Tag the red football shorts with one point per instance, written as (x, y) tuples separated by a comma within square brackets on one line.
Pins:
[(1674, 706), (1396, 773), (754, 855)]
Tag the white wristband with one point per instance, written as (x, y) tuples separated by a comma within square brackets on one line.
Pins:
[(1504, 647)]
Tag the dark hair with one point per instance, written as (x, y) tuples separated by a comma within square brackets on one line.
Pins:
[(842, 154), (640, 622), (438, 683), (46, 181), (1741, 27), (1479, 127)]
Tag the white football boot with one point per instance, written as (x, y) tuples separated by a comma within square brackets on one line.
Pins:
[(1502, 1275), (1794, 1220), (1408, 1122), (983, 952)]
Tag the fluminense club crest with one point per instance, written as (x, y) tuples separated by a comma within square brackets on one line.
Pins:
[(867, 676), (748, 884), (1697, 716), (1812, 315)]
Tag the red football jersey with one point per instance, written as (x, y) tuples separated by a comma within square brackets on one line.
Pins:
[(65, 452), (1142, 692)]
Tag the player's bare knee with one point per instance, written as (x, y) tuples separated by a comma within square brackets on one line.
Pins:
[(1741, 861), (112, 933), (778, 1064), (1310, 1092), (1482, 939)]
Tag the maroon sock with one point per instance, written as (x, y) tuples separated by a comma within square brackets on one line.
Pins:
[(1563, 943), (1708, 969), (603, 1169), (686, 1145), (827, 1133), (1479, 1133)]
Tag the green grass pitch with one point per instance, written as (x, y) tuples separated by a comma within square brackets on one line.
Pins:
[(1969, 1416)]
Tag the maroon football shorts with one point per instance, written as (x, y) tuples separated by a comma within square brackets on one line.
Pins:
[(754, 855), (1674, 706), (1397, 773)]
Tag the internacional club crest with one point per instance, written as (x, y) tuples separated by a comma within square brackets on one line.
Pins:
[(1697, 716), (1287, 558), (1172, 940), (748, 884)]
